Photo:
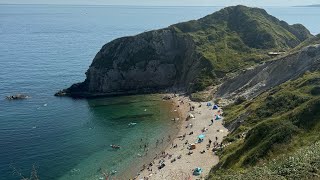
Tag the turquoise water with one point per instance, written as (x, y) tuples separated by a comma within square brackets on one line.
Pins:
[(46, 48)]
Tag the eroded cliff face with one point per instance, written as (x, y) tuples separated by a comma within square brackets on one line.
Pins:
[(253, 82), (148, 62)]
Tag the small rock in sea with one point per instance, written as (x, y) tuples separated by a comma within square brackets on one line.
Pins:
[(60, 93), (17, 97)]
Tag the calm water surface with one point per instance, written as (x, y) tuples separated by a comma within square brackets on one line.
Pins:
[(46, 48)]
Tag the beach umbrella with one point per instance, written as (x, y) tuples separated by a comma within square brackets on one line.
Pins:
[(215, 107), (201, 136), (218, 117)]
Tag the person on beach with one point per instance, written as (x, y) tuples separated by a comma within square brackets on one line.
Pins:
[(175, 146), (211, 122), (204, 129)]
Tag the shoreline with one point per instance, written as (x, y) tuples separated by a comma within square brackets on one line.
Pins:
[(178, 164), (127, 168), (134, 170)]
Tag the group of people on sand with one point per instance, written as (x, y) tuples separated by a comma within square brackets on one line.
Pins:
[(161, 159), (162, 156)]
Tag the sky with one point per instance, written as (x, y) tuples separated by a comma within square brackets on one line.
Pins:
[(169, 2)]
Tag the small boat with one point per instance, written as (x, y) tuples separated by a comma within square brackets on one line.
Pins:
[(132, 124), (115, 146)]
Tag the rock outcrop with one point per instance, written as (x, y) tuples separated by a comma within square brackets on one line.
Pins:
[(187, 56), (17, 97), (253, 82)]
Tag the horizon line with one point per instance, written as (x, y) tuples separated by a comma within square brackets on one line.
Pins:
[(145, 5)]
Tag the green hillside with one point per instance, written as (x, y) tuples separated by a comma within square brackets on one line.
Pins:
[(277, 122), (237, 37), (303, 164)]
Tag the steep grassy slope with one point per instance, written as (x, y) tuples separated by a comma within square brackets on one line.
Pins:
[(302, 164), (236, 37), (277, 122), (188, 56)]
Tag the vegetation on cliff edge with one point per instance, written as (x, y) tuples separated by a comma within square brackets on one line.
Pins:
[(277, 122)]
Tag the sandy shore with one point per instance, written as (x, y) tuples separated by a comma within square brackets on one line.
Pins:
[(178, 164)]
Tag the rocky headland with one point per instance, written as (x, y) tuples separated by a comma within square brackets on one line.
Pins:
[(189, 56)]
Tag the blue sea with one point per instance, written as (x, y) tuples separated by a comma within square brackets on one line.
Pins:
[(45, 48)]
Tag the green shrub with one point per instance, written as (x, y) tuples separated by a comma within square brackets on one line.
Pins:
[(240, 100), (280, 102), (315, 91)]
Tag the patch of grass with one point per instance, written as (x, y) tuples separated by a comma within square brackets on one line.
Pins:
[(201, 96)]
